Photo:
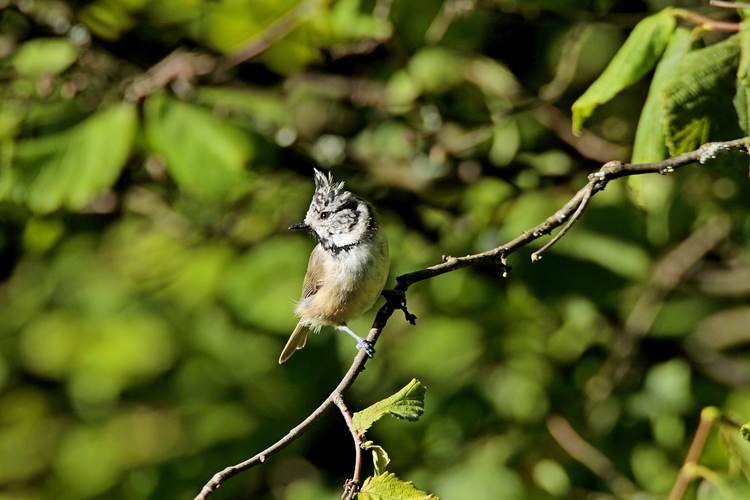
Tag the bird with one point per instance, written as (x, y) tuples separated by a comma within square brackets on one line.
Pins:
[(348, 268)]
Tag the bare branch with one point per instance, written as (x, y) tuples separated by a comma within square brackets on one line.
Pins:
[(576, 215), (708, 417), (353, 485), (590, 457), (180, 68), (713, 24), (729, 5)]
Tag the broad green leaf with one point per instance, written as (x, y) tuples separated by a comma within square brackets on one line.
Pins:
[(407, 404), (70, 168), (107, 19), (436, 69), (742, 97), (738, 449), (389, 487), (724, 487), (636, 57), (230, 26), (743, 71), (697, 97), (204, 156), (649, 138), (42, 56), (380, 458)]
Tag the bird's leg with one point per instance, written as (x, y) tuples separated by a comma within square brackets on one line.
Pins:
[(362, 344)]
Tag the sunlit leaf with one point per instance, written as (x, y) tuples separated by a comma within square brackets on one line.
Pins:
[(649, 143), (70, 168), (436, 69), (380, 458), (722, 487), (738, 448), (697, 97), (407, 404), (107, 20), (389, 487), (42, 56), (349, 23), (204, 156), (636, 57), (742, 97)]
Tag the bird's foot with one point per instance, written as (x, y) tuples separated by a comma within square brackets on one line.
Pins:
[(365, 345)]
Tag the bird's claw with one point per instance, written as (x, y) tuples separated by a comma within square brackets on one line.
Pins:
[(366, 346)]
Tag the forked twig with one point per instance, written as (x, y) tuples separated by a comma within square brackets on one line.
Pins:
[(354, 484)]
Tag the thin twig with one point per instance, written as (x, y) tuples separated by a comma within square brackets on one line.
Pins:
[(729, 5), (352, 485), (701, 20), (179, 66), (709, 415), (597, 182), (590, 457), (576, 215)]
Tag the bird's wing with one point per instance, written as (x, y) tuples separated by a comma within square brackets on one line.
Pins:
[(314, 275)]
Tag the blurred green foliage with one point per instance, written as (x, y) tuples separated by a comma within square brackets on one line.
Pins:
[(148, 279)]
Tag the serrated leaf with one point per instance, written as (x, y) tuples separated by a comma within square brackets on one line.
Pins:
[(742, 106), (70, 168), (636, 57), (649, 145), (407, 404), (380, 458), (697, 97), (389, 487), (204, 156), (742, 96)]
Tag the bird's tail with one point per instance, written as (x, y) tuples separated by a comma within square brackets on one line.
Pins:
[(297, 340)]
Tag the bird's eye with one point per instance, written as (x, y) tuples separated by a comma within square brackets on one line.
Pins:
[(325, 215)]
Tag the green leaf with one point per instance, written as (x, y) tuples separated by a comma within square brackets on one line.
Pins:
[(70, 168), (44, 56), (389, 487), (723, 487), (697, 97), (407, 404), (742, 96), (636, 57), (380, 458), (349, 23), (204, 156), (745, 431), (649, 143), (738, 449)]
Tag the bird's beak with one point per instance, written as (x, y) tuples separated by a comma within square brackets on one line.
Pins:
[(299, 225)]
